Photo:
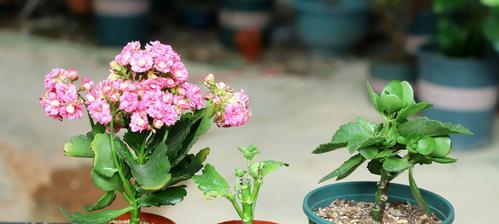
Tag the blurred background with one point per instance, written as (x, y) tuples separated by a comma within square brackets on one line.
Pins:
[(304, 64)]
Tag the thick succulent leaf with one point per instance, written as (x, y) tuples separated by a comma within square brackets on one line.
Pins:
[(442, 146), (212, 183), (261, 169), (385, 153), (168, 196), (345, 169), (356, 135), (369, 153), (178, 133), (425, 146), (79, 146), (103, 159), (106, 183), (374, 97), (328, 147), (394, 164), (189, 166), (135, 139), (95, 217), (417, 194), (395, 96), (412, 109), (424, 126), (249, 152), (104, 201), (154, 174), (443, 160), (375, 166)]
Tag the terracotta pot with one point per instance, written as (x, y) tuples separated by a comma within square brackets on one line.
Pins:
[(147, 217), (80, 6), (250, 44), (254, 222)]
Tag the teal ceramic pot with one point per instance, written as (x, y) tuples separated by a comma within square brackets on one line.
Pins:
[(462, 90), (329, 28), (364, 191), (382, 72), (121, 21)]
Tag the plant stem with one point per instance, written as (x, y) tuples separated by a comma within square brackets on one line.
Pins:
[(256, 189), (381, 197), (233, 201), (247, 203)]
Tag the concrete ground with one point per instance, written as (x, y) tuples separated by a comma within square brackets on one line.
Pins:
[(292, 115)]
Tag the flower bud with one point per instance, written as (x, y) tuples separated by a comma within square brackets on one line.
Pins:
[(240, 172), (72, 74)]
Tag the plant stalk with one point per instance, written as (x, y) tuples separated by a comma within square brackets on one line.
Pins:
[(256, 190), (381, 197), (247, 203)]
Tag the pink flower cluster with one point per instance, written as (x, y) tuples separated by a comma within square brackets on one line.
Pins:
[(61, 100), (233, 106), (146, 90)]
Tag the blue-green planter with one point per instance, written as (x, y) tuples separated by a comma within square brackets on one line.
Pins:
[(462, 90), (364, 191), (331, 29), (382, 72), (120, 21)]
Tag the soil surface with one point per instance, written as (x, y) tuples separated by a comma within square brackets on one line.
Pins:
[(344, 211)]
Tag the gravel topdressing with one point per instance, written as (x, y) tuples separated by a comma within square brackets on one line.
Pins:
[(352, 212)]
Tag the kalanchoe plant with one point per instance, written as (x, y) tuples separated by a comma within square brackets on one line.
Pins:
[(144, 118), (245, 194), (394, 146)]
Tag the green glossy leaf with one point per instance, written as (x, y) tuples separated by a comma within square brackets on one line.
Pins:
[(104, 201), (79, 146), (417, 194), (356, 135), (369, 153), (95, 217), (189, 166), (135, 139), (211, 183), (249, 152), (327, 147), (154, 173), (443, 160), (106, 183), (374, 97), (424, 126), (345, 169), (103, 160), (393, 164), (122, 150), (425, 146), (168, 196), (385, 153), (412, 109), (375, 166), (390, 103), (442, 146), (261, 169), (395, 96)]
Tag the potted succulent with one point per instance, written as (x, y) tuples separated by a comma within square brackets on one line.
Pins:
[(245, 194), (331, 27), (393, 62), (458, 74), (392, 147), (144, 118)]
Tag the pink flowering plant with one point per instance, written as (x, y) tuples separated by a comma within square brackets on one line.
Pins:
[(144, 118)]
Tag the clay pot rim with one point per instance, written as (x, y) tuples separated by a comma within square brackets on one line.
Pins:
[(255, 222)]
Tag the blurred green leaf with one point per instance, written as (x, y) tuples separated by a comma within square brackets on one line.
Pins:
[(443, 6), (249, 152), (79, 146), (424, 126), (443, 160), (345, 169), (168, 196), (374, 97), (369, 153), (104, 201), (95, 217)]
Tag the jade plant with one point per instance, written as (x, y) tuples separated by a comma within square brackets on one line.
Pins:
[(244, 195), (145, 118), (397, 144)]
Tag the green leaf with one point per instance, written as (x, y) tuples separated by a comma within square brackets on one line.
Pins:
[(261, 169), (417, 194), (327, 147), (103, 160), (443, 160), (79, 146), (122, 150), (385, 153), (95, 217), (374, 166), (393, 164), (154, 173), (249, 152), (443, 6), (374, 97), (425, 146), (345, 169), (189, 166), (211, 183), (491, 3), (424, 126), (135, 139), (491, 23), (395, 96), (369, 153), (442, 146), (104, 201), (411, 110), (356, 135), (106, 183), (168, 196)]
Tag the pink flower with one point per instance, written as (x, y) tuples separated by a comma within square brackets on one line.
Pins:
[(193, 93), (163, 63), (125, 56), (157, 48), (139, 122), (87, 84), (234, 115), (141, 61), (179, 72), (72, 74), (129, 101), (100, 111)]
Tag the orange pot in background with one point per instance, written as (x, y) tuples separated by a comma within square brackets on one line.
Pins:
[(80, 7), (254, 222), (147, 217)]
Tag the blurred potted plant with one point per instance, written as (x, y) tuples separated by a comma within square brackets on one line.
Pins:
[(144, 118), (245, 26), (459, 74), (393, 62), (247, 188), (492, 22), (120, 21), (391, 148), (331, 27), (198, 13)]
